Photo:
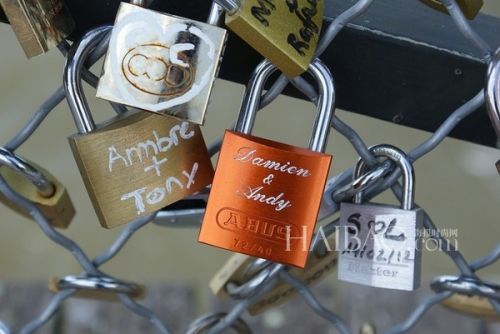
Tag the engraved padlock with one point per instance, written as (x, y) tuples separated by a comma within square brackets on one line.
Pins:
[(161, 63), (321, 262), (285, 32), (269, 207), (39, 25), (470, 8), (137, 162), (38, 186), (379, 245)]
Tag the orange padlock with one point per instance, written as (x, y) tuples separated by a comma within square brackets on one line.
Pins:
[(266, 195)]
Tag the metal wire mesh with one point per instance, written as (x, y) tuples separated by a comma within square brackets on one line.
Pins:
[(264, 281)]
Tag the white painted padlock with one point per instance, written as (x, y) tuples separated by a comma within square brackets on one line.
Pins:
[(379, 245)]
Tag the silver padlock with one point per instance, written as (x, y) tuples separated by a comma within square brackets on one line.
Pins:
[(378, 244), (161, 63)]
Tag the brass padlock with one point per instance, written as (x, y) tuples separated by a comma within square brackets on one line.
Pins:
[(136, 163), (475, 306), (285, 32), (321, 262), (38, 24), (161, 63), (38, 186), (97, 287), (470, 8)]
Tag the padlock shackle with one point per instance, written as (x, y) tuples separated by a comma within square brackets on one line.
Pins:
[(401, 160), (25, 169), (75, 61), (230, 6), (492, 92), (325, 106)]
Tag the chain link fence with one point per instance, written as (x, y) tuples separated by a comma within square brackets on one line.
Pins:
[(270, 273)]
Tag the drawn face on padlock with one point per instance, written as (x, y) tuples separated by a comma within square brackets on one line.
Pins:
[(38, 186), (269, 208), (135, 163), (239, 270), (379, 245), (161, 63)]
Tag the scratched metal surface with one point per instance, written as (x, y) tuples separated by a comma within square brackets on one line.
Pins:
[(37, 259)]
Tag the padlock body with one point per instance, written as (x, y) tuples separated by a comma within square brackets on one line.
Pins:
[(265, 199), (161, 63), (57, 208), (38, 24), (380, 246), (470, 8), (285, 32), (139, 163)]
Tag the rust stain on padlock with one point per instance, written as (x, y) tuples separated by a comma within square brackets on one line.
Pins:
[(267, 199), (149, 69)]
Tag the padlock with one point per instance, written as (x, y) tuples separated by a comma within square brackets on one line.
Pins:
[(97, 287), (475, 306), (321, 262), (137, 162), (470, 295), (470, 8), (379, 245), (161, 63), (39, 25), (38, 186), (269, 207), (285, 32)]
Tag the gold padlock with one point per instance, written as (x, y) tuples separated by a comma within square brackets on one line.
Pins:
[(285, 32), (38, 24), (470, 8), (236, 270), (38, 186), (97, 287), (475, 306), (136, 163)]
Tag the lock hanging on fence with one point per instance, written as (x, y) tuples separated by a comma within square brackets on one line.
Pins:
[(161, 63), (470, 8), (379, 245), (265, 196), (321, 262), (39, 25), (38, 186), (135, 163), (285, 32)]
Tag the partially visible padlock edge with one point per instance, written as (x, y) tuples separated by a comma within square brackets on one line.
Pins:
[(39, 25), (470, 8), (475, 306), (234, 270), (58, 208), (280, 32)]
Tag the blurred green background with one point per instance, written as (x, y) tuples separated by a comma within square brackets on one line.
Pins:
[(457, 183)]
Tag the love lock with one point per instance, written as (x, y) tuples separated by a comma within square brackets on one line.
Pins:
[(38, 186)]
